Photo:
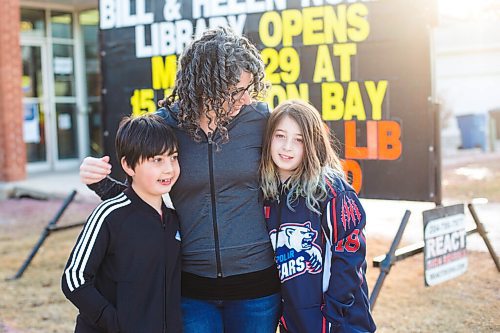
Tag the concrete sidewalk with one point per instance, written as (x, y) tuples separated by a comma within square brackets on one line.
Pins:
[(383, 216), (48, 185)]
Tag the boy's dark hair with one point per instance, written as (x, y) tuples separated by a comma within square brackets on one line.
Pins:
[(142, 137)]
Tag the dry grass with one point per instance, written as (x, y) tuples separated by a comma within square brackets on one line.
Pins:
[(469, 303), (34, 302)]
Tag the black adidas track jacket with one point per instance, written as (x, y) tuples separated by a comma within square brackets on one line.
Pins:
[(124, 271)]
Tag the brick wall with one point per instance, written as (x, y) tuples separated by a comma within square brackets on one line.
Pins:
[(12, 147)]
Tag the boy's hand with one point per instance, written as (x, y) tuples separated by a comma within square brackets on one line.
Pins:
[(93, 170)]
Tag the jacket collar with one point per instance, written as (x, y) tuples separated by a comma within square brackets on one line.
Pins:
[(141, 204)]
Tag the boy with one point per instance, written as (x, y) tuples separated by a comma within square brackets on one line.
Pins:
[(124, 271)]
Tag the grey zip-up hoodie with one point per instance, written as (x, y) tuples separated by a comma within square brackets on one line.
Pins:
[(217, 197)]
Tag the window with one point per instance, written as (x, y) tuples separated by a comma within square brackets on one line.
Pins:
[(32, 22), (62, 24)]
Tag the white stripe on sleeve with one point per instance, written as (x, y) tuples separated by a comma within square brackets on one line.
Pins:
[(87, 240)]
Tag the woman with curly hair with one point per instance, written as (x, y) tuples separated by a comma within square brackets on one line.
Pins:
[(229, 278)]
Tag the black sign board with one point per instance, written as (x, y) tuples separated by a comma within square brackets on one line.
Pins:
[(365, 65)]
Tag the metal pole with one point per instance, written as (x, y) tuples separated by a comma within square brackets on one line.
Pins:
[(44, 235), (438, 198), (482, 232), (66, 227), (385, 266)]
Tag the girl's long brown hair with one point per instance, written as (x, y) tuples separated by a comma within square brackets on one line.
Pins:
[(320, 161)]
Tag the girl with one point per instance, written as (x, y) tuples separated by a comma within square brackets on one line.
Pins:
[(315, 222)]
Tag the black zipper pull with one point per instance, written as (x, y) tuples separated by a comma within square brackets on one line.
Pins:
[(209, 135)]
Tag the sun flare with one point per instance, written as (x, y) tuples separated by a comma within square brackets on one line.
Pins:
[(467, 9)]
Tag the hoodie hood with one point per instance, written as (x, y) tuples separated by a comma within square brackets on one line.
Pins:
[(170, 113)]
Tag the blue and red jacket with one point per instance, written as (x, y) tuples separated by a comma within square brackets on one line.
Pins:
[(321, 262)]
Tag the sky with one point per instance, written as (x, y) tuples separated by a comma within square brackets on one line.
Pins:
[(469, 9)]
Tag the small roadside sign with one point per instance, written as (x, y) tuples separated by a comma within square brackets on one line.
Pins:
[(445, 254)]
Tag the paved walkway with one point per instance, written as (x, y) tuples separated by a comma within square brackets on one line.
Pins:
[(384, 216), (48, 185)]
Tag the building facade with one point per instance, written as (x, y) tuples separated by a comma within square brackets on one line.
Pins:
[(49, 85), (467, 67)]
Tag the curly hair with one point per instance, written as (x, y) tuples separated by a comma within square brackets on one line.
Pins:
[(208, 68)]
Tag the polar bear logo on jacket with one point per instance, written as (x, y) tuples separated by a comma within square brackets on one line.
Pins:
[(295, 244)]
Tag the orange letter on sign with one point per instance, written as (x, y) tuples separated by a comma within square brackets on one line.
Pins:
[(351, 149), (353, 173), (360, 153), (389, 140)]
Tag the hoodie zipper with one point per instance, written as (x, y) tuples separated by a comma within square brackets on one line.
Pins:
[(210, 135), (214, 208), (278, 227)]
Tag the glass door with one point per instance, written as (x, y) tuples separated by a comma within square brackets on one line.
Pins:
[(65, 86), (66, 120), (36, 123), (51, 89)]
